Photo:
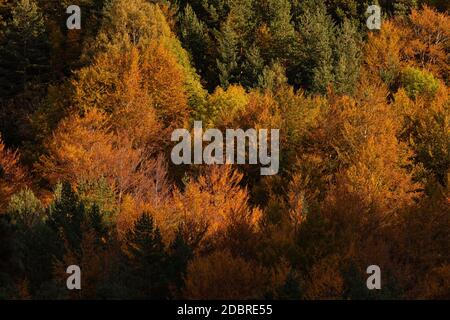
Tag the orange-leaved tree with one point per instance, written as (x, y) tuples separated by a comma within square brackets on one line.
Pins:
[(13, 176)]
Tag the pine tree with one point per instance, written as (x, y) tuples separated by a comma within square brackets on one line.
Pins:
[(180, 252), (314, 70), (347, 55), (273, 78), (145, 260), (24, 50), (228, 59), (25, 208), (276, 16), (65, 217), (195, 38)]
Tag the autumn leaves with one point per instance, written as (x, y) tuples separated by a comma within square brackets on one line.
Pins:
[(362, 174)]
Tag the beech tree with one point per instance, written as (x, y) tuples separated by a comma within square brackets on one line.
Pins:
[(13, 177), (364, 153)]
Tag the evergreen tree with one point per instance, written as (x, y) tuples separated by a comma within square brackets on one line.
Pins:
[(276, 15), (399, 7), (314, 70), (228, 60), (9, 263), (65, 217), (252, 67), (347, 55), (145, 260), (24, 50), (180, 252), (25, 208), (273, 77), (195, 38)]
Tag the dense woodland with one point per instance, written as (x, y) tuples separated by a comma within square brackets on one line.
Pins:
[(85, 172)]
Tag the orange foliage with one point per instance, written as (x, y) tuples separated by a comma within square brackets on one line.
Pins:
[(422, 40), (83, 149), (361, 140), (428, 41), (206, 201), (13, 176), (138, 89)]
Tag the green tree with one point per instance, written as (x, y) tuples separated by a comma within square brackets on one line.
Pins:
[(65, 217), (180, 253), (24, 68), (276, 16), (314, 70), (24, 50), (145, 260), (347, 55), (419, 83), (195, 37), (228, 60), (25, 208)]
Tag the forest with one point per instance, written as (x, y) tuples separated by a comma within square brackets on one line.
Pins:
[(86, 178)]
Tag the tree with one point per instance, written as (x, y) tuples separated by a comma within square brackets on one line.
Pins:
[(180, 253), (84, 237), (207, 195), (138, 23), (24, 51), (227, 105), (66, 215), (425, 129), (83, 149), (427, 37), (143, 90), (314, 69), (24, 69), (240, 279), (273, 78), (421, 42), (195, 37), (399, 7), (227, 62), (25, 209), (145, 260), (382, 55), (419, 83), (347, 55), (275, 15), (13, 177), (422, 238), (374, 162)]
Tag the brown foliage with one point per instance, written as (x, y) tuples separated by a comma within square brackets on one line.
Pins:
[(223, 276)]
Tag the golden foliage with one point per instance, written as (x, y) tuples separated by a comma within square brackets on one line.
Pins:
[(206, 201), (139, 89)]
